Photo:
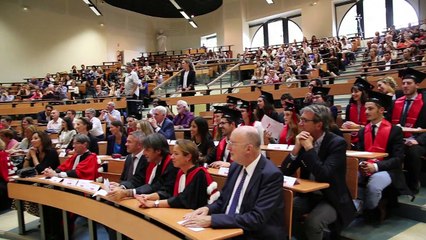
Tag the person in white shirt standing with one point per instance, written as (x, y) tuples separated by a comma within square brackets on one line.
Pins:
[(131, 90)]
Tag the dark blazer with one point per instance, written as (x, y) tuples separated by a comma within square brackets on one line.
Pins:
[(261, 213), (329, 166), (190, 82), (163, 184), (41, 117), (168, 129), (393, 163), (138, 178), (111, 142)]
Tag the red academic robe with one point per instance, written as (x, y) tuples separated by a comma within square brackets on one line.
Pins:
[(151, 166), (87, 168), (413, 112)]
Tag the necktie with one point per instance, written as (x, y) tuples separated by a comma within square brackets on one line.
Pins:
[(373, 131), (236, 198), (131, 168), (405, 112)]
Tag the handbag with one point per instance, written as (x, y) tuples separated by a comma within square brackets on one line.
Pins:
[(27, 172)]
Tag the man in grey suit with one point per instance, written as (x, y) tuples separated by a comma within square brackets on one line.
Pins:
[(252, 197)]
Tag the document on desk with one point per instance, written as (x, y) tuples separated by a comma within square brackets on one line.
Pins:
[(53, 179), (70, 181), (272, 126), (195, 229), (357, 153), (223, 171), (88, 185), (106, 189), (289, 181), (282, 147)]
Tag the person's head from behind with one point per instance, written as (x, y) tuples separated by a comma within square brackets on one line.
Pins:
[(185, 154), (81, 143), (156, 147), (244, 145), (29, 131), (134, 143), (41, 141), (145, 127), (6, 135)]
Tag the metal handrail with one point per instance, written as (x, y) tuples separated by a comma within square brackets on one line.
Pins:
[(168, 80), (222, 75)]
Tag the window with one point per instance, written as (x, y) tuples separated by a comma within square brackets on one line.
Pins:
[(294, 32), (258, 40), (348, 26), (275, 32), (209, 41), (403, 14), (375, 17)]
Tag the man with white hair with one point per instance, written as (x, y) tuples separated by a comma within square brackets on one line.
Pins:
[(184, 117), (97, 130), (161, 124)]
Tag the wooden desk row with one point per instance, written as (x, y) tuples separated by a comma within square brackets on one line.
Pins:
[(134, 222)]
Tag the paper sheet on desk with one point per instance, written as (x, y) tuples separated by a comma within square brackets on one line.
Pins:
[(272, 126), (283, 147), (289, 181), (105, 190), (223, 171), (53, 179), (195, 229), (88, 185), (357, 154), (70, 181)]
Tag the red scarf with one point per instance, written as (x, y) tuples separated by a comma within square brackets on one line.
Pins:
[(190, 177), (353, 116), (381, 139), (221, 150), (413, 112), (151, 167), (283, 136)]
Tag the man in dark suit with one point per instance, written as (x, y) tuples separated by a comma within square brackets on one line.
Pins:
[(252, 196), (158, 176), (161, 124), (321, 156), (410, 111), (43, 117), (133, 173), (379, 135)]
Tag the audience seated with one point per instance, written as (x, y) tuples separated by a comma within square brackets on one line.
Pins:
[(116, 142), (200, 135), (43, 117), (11, 144), (83, 126), (184, 116), (97, 130), (55, 124), (161, 124), (41, 155), (66, 134), (6, 122)]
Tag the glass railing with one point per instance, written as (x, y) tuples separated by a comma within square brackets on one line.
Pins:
[(211, 78)]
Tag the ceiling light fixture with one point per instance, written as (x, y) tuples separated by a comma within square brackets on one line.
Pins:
[(93, 7), (175, 4), (193, 24), (269, 2), (184, 14)]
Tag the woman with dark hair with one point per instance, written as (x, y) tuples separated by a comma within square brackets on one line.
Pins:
[(83, 126), (116, 142), (265, 106), (247, 114), (355, 111), (193, 188), (66, 133), (200, 135), (187, 78), (41, 154)]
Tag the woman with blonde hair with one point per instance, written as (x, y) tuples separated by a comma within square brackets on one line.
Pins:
[(145, 127), (388, 86)]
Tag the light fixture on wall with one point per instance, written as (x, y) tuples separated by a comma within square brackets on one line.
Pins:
[(93, 7), (270, 2), (182, 12), (314, 3), (25, 9)]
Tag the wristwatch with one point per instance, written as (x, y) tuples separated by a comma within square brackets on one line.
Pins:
[(156, 203)]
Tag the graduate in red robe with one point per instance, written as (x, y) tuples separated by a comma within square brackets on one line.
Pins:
[(193, 188)]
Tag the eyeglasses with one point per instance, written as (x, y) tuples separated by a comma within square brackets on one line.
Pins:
[(223, 123), (304, 120), (230, 143)]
